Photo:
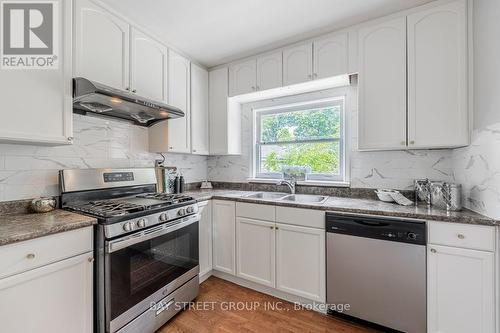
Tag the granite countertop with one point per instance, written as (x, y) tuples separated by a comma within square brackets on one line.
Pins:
[(360, 206), (21, 225)]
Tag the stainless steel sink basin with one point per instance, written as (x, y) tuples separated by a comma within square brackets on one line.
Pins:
[(266, 195), (305, 198)]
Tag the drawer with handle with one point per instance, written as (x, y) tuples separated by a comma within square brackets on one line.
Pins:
[(475, 237), (26, 255)]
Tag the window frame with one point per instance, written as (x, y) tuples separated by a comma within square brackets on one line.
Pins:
[(302, 106)]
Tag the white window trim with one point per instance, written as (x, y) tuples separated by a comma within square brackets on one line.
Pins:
[(343, 180)]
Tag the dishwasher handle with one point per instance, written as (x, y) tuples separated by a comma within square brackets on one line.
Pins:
[(371, 223)]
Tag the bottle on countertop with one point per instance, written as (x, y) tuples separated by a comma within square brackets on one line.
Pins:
[(181, 184), (177, 184)]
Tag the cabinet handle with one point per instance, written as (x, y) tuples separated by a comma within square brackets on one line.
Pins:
[(128, 88), (90, 259), (30, 256), (272, 228), (461, 236), (170, 147), (276, 228), (433, 250), (412, 142), (310, 76), (258, 88), (315, 75), (70, 139), (134, 91)]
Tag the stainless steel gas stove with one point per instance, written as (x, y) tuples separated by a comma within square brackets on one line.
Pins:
[(146, 246)]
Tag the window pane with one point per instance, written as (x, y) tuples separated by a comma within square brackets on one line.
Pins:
[(311, 124), (319, 157)]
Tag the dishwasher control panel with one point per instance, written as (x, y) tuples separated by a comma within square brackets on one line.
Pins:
[(377, 227)]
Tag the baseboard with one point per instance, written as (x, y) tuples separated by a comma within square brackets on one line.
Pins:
[(205, 276), (313, 305)]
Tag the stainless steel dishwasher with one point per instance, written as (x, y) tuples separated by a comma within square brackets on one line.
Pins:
[(377, 266)]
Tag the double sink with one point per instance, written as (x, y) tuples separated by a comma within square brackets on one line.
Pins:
[(297, 198)]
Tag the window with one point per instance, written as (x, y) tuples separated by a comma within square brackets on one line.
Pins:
[(307, 136)]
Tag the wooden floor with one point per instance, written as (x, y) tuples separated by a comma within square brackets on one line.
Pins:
[(217, 295)]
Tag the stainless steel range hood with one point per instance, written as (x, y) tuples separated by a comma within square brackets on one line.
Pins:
[(94, 97)]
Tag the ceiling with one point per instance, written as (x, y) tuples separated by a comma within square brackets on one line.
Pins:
[(217, 31)]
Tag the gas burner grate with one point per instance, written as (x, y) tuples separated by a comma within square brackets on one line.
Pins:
[(108, 208), (167, 197)]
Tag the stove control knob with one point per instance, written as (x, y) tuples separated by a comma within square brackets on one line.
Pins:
[(141, 223), (190, 209), (127, 226), (181, 212), (163, 217)]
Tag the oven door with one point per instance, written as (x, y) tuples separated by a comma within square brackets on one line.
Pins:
[(144, 267)]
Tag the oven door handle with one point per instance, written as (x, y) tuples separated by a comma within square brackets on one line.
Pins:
[(144, 235)]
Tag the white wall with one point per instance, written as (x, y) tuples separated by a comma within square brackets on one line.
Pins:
[(387, 169), (31, 171), (477, 167)]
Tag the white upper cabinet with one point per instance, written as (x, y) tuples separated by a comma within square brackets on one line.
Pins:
[(199, 110), (225, 124), (382, 86), (37, 104), (179, 137), (437, 77), (101, 45), (242, 76), (331, 56), (148, 66), (297, 64), (270, 71)]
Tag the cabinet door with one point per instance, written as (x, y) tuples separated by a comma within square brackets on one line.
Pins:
[(205, 236), (270, 71), (300, 261), (331, 56), (101, 45), (242, 78), (179, 136), (199, 110), (58, 298), (297, 64), (437, 77), (224, 220), (37, 104), (255, 250), (382, 86), (461, 290), (148, 66)]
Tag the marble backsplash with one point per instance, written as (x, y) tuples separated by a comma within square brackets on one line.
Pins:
[(380, 169), (477, 168), (28, 171)]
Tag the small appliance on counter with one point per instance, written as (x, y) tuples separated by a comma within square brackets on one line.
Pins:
[(439, 194), (206, 185), (165, 177)]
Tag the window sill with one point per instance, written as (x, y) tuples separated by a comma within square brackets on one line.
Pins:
[(302, 183)]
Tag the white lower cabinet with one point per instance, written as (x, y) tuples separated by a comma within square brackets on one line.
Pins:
[(224, 220), (205, 237), (461, 290), (48, 294), (255, 246), (300, 261)]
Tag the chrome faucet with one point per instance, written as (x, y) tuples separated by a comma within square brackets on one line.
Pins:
[(289, 183)]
